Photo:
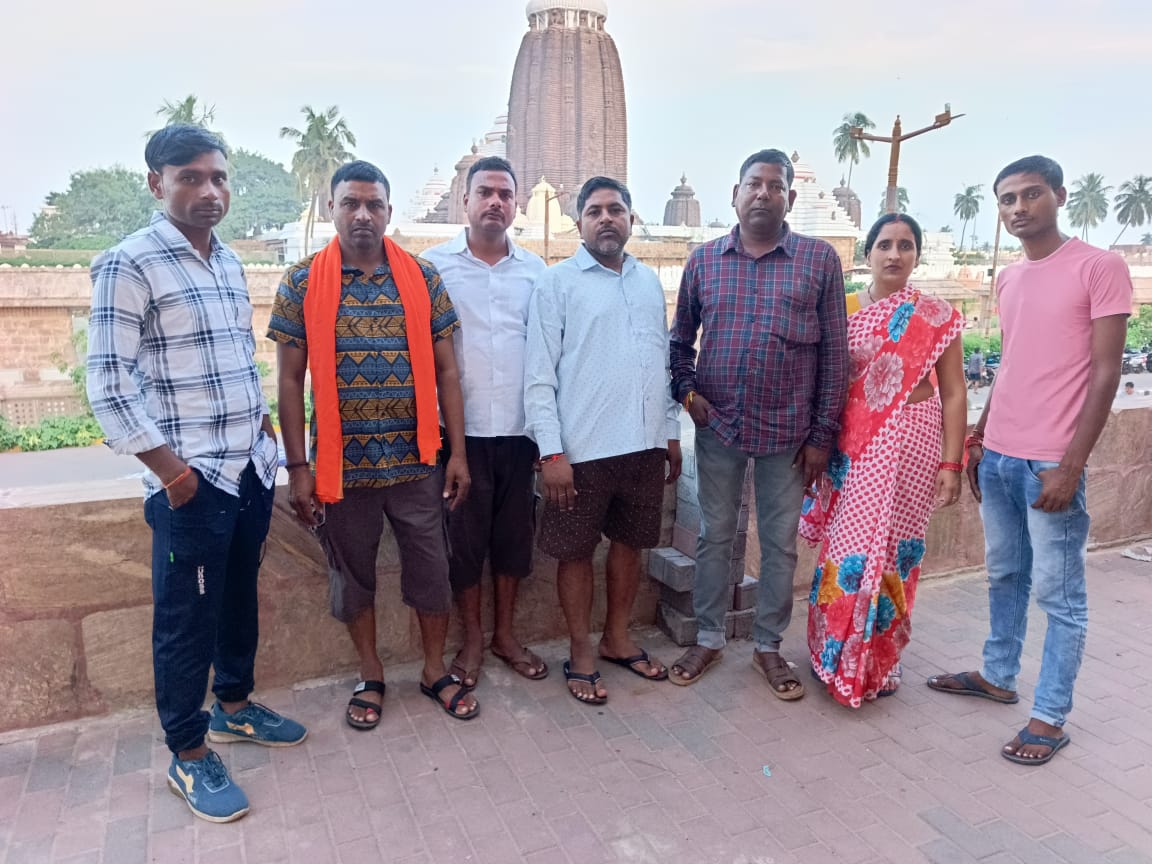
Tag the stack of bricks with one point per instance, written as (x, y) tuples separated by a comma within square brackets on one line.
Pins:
[(674, 567)]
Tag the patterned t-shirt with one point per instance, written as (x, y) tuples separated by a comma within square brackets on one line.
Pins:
[(373, 367)]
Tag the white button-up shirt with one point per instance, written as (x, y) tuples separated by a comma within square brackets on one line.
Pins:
[(596, 376), (492, 304)]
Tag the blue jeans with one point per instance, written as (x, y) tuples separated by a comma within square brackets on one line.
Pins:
[(1025, 549), (720, 474), (205, 558)]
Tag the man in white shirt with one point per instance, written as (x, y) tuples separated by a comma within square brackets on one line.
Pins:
[(597, 403), (489, 279)]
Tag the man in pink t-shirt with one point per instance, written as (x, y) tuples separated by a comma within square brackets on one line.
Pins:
[(1063, 314)]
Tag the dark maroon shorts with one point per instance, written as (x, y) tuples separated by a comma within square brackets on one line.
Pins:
[(619, 497), (498, 519)]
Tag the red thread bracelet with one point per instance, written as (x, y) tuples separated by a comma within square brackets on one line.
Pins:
[(951, 466)]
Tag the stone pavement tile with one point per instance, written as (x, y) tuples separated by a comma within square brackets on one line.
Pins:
[(366, 748), (650, 730), (445, 841), (1129, 856), (528, 828), (49, 769), (604, 815), (564, 711), (359, 851), (212, 837), (1136, 834), (37, 814), (608, 723), (726, 808), (622, 784), (570, 772), (10, 789), (264, 841), (477, 741), (430, 801), (174, 846), (555, 855), (943, 851), (244, 756), (579, 840), (846, 845), (501, 782), (1070, 849), (310, 844), (79, 830), (380, 785), (745, 779), (545, 732), (348, 816), (335, 774), (33, 851), (477, 814), (16, 757), (408, 758), (522, 754), (495, 849), (396, 826), (300, 800), (890, 846), (133, 752), (82, 858), (791, 796), (126, 840), (641, 761)]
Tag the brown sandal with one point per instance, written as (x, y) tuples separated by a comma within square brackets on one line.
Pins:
[(694, 663), (523, 664), (778, 674), (465, 675)]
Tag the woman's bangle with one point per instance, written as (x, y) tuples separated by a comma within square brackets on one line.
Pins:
[(688, 400), (544, 460), (183, 476), (291, 465), (974, 440), (952, 466)]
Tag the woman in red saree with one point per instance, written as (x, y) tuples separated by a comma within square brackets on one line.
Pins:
[(897, 459)]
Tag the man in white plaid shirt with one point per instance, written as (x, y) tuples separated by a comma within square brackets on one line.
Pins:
[(173, 381)]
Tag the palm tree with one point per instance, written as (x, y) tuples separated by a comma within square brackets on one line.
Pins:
[(1146, 239), (1133, 204), (849, 149), (321, 148), (901, 201), (966, 205), (187, 110), (1088, 203)]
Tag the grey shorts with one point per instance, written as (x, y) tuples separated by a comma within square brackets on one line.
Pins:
[(350, 537)]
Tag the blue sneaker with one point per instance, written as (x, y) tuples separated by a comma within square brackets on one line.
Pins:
[(205, 785), (255, 723)]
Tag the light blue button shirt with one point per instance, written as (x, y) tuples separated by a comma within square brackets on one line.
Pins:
[(596, 371)]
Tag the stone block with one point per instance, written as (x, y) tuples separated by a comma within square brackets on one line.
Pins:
[(738, 625), (118, 648), (744, 594), (657, 562), (675, 569), (38, 674), (681, 601), (684, 540), (688, 513), (736, 571), (678, 627), (740, 545)]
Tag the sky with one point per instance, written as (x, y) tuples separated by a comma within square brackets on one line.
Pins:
[(707, 82)]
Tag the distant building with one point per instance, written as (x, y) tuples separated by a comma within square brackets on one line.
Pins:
[(682, 208), (424, 201), (567, 119)]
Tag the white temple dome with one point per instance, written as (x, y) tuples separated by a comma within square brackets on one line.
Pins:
[(599, 7)]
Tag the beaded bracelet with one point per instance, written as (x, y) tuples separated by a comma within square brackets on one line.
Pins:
[(546, 459)]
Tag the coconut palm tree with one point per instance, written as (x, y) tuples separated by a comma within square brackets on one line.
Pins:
[(187, 110), (966, 205), (321, 148), (1088, 203), (849, 149), (1146, 239), (901, 201), (1133, 204)]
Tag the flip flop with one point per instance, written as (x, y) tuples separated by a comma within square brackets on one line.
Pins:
[(1027, 737), (592, 679), (458, 669), (970, 688), (364, 687), (521, 666), (629, 663), (437, 688)]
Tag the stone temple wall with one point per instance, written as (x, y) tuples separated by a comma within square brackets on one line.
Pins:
[(75, 610)]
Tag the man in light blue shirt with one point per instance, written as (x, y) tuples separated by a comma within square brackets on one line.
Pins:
[(597, 403), (490, 281)]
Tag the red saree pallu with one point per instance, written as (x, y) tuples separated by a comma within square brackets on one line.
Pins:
[(870, 512)]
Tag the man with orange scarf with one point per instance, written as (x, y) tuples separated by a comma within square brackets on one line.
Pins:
[(372, 325)]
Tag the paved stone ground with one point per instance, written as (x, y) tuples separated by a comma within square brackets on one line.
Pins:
[(660, 774)]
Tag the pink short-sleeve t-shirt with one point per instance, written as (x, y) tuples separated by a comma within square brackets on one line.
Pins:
[(1046, 313)]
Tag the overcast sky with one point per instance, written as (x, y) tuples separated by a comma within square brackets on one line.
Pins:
[(707, 82)]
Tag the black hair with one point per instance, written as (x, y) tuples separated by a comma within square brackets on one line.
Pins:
[(1047, 168), (180, 144), (489, 163), (1129, 384), (364, 172), (593, 184), (770, 157), (888, 219)]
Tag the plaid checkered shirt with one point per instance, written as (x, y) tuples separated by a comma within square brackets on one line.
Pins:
[(773, 358), (171, 356)]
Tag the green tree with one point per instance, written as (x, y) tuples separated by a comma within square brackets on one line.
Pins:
[(99, 208), (849, 149), (1140, 328), (1146, 239), (966, 205), (945, 229), (321, 147), (1133, 204), (187, 110), (264, 196), (1088, 203), (901, 201)]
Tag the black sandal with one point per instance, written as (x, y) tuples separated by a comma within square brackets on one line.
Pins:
[(592, 679), (365, 687), (436, 689)]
